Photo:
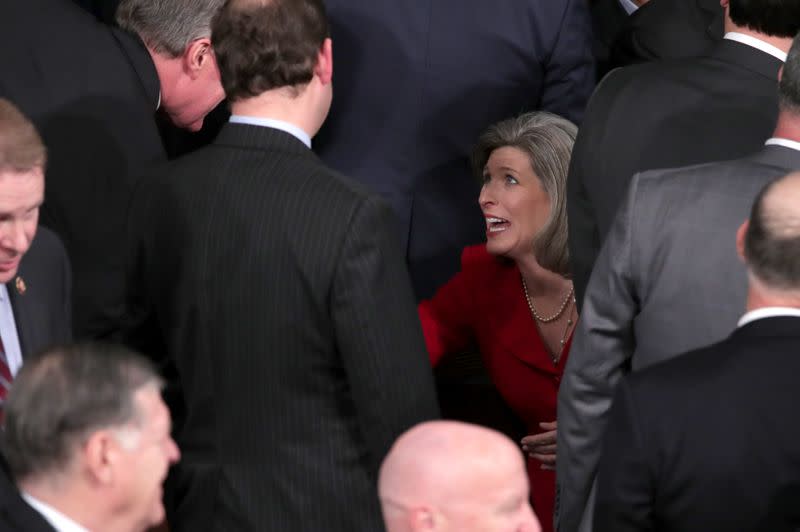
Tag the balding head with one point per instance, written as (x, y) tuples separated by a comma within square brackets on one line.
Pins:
[(450, 476), (770, 241)]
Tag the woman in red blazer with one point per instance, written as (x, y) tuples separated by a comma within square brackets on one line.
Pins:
[(513, 298)]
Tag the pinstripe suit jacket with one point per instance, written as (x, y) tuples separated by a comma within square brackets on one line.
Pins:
[(282, 299)]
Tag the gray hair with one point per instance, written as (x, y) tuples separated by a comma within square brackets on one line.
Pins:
[(63, 395), (547, 139), (168, 26), (772, 241)]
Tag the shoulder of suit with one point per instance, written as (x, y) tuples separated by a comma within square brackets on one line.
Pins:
[(678, 374), (708, 175), (46, 243)]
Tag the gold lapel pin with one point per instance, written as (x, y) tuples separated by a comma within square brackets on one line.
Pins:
[(20, 284)]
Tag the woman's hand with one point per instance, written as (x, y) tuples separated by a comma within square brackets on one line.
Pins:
[(542, 447)]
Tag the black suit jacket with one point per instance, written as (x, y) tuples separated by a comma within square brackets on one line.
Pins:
[(416, 83), (660, 115), (41, 302), (92, 93), (660, 29), (41, 295), (707, 441), (16, 515), (281, 294)]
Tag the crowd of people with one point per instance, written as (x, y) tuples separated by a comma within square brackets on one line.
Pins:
[(228, 270)]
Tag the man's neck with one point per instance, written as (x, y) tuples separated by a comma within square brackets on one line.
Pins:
[(168, 70), (69, 501), (759, 296), (788, 126), (279, 105)]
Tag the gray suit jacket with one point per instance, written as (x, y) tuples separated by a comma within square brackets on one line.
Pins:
[(667, 280)]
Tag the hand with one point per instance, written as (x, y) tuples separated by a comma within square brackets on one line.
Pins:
[(542, 447)]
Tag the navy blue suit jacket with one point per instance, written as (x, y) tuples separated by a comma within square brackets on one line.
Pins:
[(417, 81)]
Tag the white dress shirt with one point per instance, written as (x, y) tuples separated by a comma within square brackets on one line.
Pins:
[(292, 129), (749, 40), (768, 312), (57, 520), (628, 6), (8, 332)]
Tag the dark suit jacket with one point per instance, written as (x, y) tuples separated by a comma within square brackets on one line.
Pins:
[(281, 294), (660, 29), (42, 300), (16, 515), (92, 93), (660, 115), (416, 83), (706, 441)]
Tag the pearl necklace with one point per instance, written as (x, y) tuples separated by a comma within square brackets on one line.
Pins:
[(558, 313), (555, 357)]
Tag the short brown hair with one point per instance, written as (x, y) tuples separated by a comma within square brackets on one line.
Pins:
[(21, 147), (267, 44)]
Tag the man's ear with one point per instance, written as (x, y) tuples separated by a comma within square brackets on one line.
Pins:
[(423, 518), (724, 3), (741, 233), (197, 56), (324, 67), (99, 455)]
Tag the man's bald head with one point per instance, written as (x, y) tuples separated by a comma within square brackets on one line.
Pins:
[(446, 475), (772, 239)]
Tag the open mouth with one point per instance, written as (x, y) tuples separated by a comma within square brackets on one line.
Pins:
[(496, 225)]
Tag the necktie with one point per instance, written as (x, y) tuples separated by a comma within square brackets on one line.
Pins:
[(5, 376)]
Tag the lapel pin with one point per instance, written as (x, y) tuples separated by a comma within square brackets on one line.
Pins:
[(20, 284)]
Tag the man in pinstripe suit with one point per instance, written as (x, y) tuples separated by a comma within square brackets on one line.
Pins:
[(280, 294)]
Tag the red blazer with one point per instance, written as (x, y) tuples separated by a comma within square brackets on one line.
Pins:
[(484, 306)]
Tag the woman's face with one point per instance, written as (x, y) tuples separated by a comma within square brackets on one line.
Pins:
[(513, 202)]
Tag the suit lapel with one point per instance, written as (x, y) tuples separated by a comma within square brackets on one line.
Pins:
[(20, 305)]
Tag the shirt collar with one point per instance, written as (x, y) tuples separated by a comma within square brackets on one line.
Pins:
[(768, 312), (628, 6), (57, 520), (749, 40), (292, 129), (786, 143)]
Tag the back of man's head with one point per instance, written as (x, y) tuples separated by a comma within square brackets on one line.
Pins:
[(451, 476), (64, 393), (168, 26), (772, 238), (21, 147), (263, 45), (774, 18)]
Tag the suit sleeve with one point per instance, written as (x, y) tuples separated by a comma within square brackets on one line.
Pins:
[(598, 359), (378, 332), (584, 232), (66, 272), (445, 318), (625, 487), (570, 72)]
